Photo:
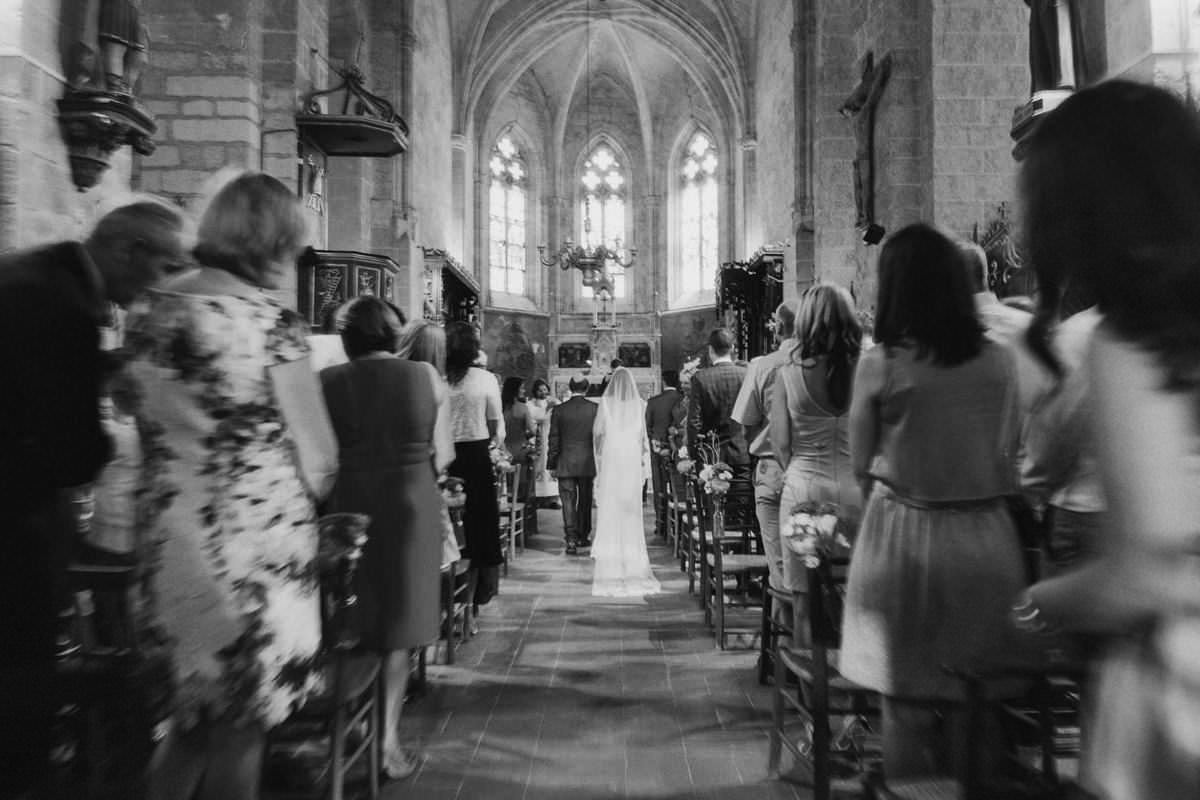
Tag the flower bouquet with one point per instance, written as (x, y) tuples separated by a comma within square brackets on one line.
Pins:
[(716, 478), (684, 462), (815, 531), (454, 493), (501, 461), (689, 368)]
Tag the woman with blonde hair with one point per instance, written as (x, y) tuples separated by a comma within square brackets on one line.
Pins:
[(422, 340), (809, 422), (238, 449)]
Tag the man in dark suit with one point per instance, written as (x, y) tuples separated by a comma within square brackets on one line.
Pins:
[(53, 300), (572, 461), (713, 393), (663, 411)]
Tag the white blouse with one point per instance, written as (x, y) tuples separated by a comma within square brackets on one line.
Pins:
[(474, 401)]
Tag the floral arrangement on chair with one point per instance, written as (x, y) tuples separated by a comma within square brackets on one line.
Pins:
[(716, 478), (683, 461), (815, 531), (454, 493), (501, 461), (689, 368)]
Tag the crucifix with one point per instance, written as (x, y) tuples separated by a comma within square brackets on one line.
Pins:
[(860, 106)]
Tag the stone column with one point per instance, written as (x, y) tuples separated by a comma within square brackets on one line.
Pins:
[(461, 223), (751, 233), (800, 258)]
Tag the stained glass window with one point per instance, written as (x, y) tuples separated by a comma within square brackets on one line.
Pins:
[(602, 209), (698, 214), (507, 217)]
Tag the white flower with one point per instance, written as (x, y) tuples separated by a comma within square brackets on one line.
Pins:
[(827, 524), (812, 562)]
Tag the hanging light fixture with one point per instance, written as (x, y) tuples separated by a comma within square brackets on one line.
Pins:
[(592, 262)]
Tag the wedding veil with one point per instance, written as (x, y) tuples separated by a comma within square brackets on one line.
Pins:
[(619, 423)]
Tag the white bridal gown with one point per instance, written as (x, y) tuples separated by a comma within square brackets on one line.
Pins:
[(622, 566)]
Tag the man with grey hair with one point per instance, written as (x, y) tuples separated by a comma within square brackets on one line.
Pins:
[(1006, 325), (53, 300), (752, 410)]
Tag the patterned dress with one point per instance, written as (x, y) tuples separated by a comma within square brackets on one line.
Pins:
[(229, 527)]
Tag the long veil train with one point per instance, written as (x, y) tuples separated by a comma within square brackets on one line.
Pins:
[(622, 567)]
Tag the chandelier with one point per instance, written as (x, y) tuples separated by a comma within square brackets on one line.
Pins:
[(593, 262)]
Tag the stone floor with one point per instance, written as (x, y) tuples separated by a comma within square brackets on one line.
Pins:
[(565, 696)]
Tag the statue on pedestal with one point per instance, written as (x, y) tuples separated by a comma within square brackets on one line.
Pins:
[(1056, 53)]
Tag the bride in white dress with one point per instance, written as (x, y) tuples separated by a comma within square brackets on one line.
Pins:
[(623, 464)]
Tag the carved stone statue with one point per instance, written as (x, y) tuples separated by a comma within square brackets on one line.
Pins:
[(860, 106), (1057, 59), (110, 51)]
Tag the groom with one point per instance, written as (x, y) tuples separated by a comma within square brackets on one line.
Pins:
[(572, 462)]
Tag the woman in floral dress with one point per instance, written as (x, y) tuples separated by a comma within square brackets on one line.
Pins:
[(228, 519)]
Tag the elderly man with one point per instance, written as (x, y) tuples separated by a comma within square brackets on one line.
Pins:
[(53, 300), (752, 410)]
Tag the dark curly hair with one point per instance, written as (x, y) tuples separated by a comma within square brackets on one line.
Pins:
[(1111, 201), (462, 350)]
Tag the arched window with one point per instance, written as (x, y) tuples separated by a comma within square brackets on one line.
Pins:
[(698, 214), (506, 218), (602, 209)]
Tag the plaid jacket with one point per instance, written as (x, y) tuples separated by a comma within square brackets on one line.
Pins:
[(714, 390)]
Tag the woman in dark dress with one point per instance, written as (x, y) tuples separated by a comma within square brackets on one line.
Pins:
[(475, 417), (383, 410)]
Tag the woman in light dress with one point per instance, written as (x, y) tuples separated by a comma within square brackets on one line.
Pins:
[(622, 565), (237, 451), (1111, 193), (540, 404), (809, 417)]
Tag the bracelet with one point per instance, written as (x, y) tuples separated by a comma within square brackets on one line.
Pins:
[(1027, 616)]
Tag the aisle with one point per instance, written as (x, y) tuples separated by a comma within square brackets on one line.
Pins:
[(563, 696)]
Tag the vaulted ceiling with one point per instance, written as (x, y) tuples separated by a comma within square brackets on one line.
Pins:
[(658, 56)]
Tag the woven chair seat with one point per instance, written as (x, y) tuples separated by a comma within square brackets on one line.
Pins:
[(927, 789), (736, 562)]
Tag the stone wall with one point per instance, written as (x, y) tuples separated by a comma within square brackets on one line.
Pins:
[(38, 200), (775, 126), (432, 102)]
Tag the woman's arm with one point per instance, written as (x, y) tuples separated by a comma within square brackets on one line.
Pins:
[(864, 416), (493, 409), (443, 434), (1152, 559), (779, 423)]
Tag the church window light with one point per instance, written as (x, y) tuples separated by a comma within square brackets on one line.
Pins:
[(602, 210), (698, 214), (507, 196)]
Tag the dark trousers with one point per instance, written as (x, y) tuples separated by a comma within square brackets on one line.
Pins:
[(576, 496), (657, 474)]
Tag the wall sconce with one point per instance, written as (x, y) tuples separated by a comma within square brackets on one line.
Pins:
[(99, 114)]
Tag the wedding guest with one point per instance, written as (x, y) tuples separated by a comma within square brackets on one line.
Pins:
[(53, 300), (475, 420), (664, 411), (422, 340), (933, 437), (518, 424), (111, 537), (384, 410), (710, 404), (1007, 324), (809, 417), (540, 405), (752, 410), (238, 448), (1059, 470), (1111, 196)]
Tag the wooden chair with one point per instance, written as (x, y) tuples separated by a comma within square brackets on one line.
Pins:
[(819, 692), (1041, 732), (775, 625), (456, 595), (115, 687), (514, 512), (348, 714), (732, 553)]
